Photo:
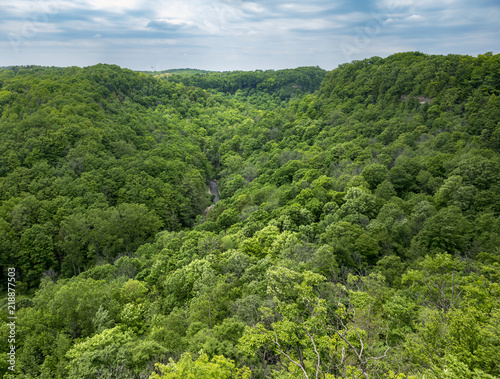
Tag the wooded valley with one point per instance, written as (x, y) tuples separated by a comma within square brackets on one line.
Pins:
[(357, 233)]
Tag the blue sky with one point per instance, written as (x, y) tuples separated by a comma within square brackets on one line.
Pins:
[(237, 34)]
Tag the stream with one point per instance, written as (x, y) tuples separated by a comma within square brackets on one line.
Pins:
[(214, 190)]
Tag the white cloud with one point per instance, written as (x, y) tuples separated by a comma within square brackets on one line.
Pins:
[(218, 17), (304, 8), (390, 20), (29, 7), (253, 7), (395, 5), (398, 5), (415, 18), (351, 18), (113, 6)]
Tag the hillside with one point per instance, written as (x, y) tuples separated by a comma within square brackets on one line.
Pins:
[(357, 232)]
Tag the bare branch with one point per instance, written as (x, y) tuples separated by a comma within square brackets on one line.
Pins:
[(318, 364), (280, 350)]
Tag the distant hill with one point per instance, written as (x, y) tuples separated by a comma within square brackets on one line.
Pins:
[(284, 84), (177, 71)]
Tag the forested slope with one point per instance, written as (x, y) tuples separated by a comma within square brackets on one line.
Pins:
[(88, 153), (357, 233), (259, 88)]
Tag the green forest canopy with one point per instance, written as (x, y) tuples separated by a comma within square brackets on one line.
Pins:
[(357, 233)]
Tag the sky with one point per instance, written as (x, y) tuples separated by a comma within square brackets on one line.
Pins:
[(153, 35)]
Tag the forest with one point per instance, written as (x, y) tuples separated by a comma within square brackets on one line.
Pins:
[(357, 233)]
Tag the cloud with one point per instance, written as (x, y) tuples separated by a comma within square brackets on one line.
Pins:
[(304, 9), (415, 18), (169, 24), (112, 5), (239, 34), (251, 7)]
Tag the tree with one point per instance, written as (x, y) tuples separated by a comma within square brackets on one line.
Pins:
[(218, 367), (110, 354), (36, 254), (447, 231), (136, 224), (374, 174), (437, 281), (352, 244), (210, 299), (310, 338), (74, 303)]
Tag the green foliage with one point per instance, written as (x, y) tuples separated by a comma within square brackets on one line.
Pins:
[(278, 85), (357, 232), (36, 253), (202, 367)]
